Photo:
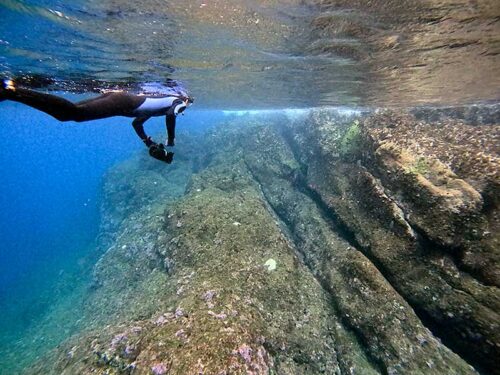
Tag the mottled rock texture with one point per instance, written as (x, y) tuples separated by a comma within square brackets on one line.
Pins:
[(383, 229), (421, 210)]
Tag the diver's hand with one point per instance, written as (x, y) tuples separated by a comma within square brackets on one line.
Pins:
[(158, 152), (169, 157), (149, 142), (169, 150)]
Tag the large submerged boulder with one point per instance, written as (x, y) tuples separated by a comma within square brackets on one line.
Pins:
[(421, 210), (327, 242)]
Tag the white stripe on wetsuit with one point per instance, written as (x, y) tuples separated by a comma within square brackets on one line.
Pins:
[(156, 106), (179, 107)]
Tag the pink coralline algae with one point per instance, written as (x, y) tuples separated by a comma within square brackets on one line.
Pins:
[(118, 339), (130, 351), (181, 334), (208, 296), (136, 329), (179, 312), (220, 316), (245, 352), (163, 319), (159, 369), (255, 362)]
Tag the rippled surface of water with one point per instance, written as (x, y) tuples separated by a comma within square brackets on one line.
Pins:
[(257, 54)]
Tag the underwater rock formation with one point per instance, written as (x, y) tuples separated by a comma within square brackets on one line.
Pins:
[(327, 243), (404, 190)]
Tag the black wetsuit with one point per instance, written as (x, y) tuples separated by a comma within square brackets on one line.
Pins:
[(107, 105)]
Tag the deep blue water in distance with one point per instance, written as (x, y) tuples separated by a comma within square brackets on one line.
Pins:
[(51, 173)]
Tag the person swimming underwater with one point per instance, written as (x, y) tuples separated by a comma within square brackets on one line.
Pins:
[(140, 107)]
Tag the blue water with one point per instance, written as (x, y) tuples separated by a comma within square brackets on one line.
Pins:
[(50, 179), (51, 176)]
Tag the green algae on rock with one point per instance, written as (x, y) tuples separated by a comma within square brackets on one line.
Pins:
[(350, 142)]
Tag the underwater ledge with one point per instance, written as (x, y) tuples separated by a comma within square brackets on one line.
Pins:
[(311, 242)]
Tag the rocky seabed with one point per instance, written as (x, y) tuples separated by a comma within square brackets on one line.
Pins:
[(325, 242)]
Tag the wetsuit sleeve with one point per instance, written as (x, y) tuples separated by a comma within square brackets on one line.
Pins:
[(138, 125), (170, 121)]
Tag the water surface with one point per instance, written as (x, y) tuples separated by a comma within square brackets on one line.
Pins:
[(256, 54)]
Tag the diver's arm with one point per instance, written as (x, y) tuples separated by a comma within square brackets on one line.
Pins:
[(138, 125), (177, 107), (170, 123), (155, 150)]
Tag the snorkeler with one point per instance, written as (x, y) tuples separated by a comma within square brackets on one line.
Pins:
[(141, 107)]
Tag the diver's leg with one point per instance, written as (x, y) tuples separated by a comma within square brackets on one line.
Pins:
[(108, 105), (59, 108)]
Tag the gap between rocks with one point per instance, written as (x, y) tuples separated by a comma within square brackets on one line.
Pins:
[(288, 233)]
